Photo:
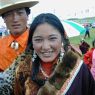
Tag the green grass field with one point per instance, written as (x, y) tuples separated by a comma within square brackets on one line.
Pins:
[(76, 40)]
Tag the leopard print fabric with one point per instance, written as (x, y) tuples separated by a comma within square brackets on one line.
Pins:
[(8, 76)]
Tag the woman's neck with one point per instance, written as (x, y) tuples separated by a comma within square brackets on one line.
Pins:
[(48, 67)]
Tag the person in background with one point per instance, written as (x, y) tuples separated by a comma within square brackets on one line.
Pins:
[(3, 31), (84, 46), (93, 63), (89, 55), (45, 69), (87, 33), (15, 15)]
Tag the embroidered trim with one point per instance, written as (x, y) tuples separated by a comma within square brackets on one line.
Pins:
[(69, 81)]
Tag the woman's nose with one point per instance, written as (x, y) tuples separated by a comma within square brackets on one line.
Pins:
[(46, 45)]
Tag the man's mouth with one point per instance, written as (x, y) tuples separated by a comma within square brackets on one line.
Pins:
[(16, 26)]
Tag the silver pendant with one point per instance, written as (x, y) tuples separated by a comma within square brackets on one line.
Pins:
[(15, 45)]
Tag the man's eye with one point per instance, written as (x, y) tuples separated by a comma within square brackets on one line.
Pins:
[(20, 13), (7, 14)]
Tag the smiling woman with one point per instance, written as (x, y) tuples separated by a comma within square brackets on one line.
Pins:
[(45, 68), (51, 70), (47, 45)]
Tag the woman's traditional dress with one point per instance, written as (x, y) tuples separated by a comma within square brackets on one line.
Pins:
[(80, 81)]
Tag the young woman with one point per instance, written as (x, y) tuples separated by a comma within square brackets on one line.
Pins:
[(45, 68), (53, 71)]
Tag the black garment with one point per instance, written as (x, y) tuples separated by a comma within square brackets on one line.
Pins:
[(84, 47), (83, 83)]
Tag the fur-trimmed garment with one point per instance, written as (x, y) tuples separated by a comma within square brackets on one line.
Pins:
[(70, 77), (77, 80), (7, 77)]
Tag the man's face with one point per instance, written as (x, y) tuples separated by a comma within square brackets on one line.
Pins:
[(16, 21)]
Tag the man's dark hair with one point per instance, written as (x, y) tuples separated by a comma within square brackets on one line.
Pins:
[(27, 9)]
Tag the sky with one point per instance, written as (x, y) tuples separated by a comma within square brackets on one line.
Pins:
[(64, 9)]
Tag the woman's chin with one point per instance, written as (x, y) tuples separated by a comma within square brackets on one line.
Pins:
[(48, 59)]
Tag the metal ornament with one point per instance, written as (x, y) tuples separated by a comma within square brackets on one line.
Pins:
[(34, 56), (15, 45)]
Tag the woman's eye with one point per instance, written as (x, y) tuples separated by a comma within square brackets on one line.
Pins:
[(53, 38), (37, 40)]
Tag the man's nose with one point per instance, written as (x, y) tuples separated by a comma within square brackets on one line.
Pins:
[(15, 16)]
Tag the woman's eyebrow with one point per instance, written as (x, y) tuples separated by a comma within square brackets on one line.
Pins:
[(53, 35), (37, 37)]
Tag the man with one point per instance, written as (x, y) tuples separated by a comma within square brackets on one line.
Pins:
[(15, 15)]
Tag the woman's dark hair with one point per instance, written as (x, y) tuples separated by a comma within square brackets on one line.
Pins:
[(46, 18), (27, 9), (54, 21), (41, 19)]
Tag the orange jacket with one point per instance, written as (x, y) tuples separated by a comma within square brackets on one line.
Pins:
[(8, 54)]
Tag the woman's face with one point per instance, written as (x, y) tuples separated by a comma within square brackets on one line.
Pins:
[(47, 42)]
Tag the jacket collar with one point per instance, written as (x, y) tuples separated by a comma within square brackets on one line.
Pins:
[(21, 39)]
